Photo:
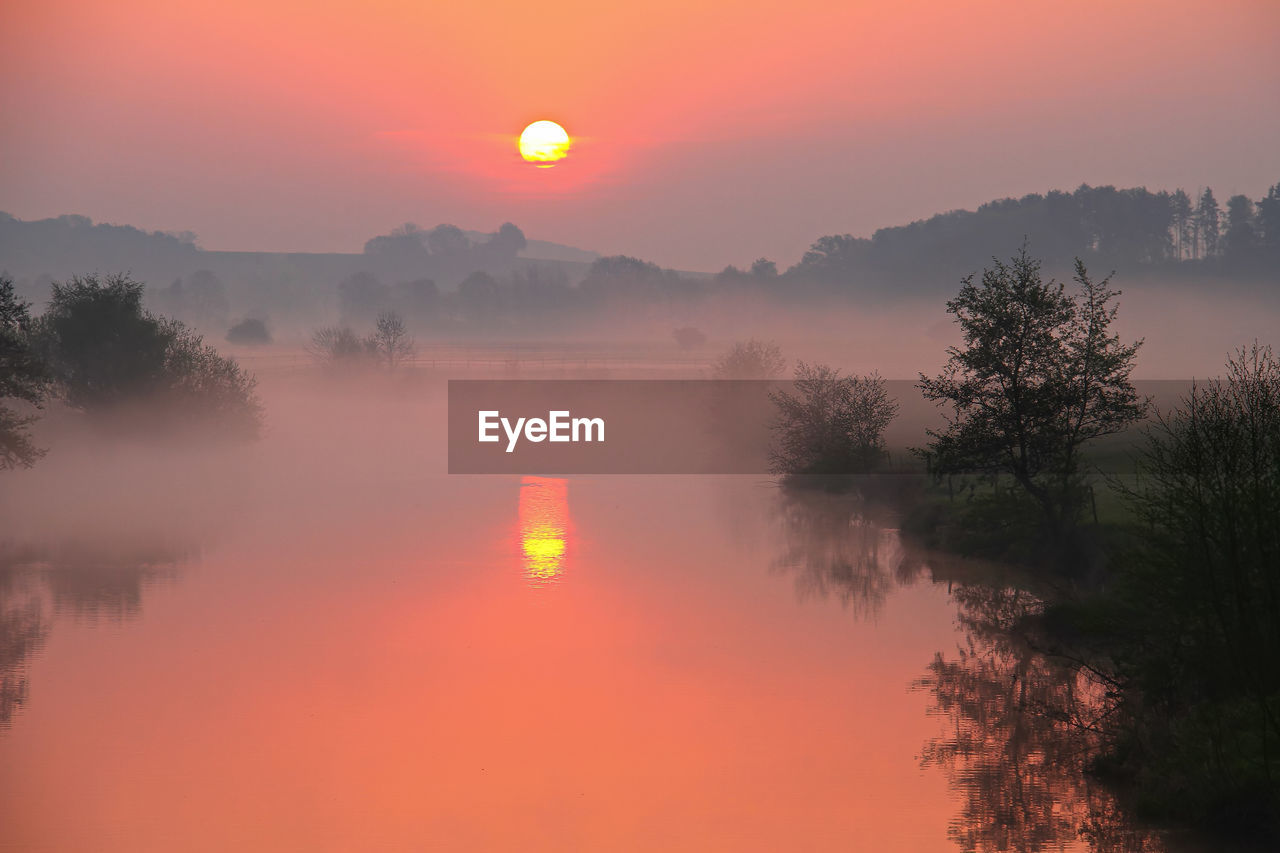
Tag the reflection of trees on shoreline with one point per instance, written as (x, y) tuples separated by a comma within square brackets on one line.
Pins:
[(85, 582), (22, 632), (835, 547), (1020, 729)]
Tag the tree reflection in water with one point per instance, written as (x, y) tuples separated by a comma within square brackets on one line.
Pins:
[(1019, 731), (836, 545), (78, 580), (1019, 727)]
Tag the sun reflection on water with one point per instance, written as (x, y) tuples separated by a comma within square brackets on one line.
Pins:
[(544, 528)]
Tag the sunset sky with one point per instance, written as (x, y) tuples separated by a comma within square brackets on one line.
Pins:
[(705, 133)]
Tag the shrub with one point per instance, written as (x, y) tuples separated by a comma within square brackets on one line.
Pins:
[(250, 330), (23, 377), (833, 424), (750, 360)]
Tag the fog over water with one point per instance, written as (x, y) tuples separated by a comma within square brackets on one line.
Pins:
[(884, 550), (323, 642)]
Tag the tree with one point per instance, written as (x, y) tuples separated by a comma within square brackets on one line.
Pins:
[(447, 241), (103, 347), (764, 268), (1039, 376), (1269, 218), (833, 258), (508, 242), (1208, 224), (250, 330), (24, 377), (109, 357), (1180, 206), (626, 278), (1240, 235), (337, 345), (390, 343), (750, 360), (1191, 627), (405, 242), (832, 424)]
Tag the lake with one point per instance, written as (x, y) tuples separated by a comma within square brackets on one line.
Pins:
[(326, 643)]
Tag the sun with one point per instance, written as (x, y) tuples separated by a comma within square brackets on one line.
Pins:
[(543, 143)]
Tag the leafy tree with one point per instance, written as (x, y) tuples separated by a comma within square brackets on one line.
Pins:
[(109, 355), (24, 376), (832, 258), (203, 388), (250, 330), (406, 241), (1208, 224), (626, 278), (832, 424), (1040, 375), (508, 242), (1192, 627), (1180, 206), (103, 346), (1269, 218), (750, 360), (390, 343), (1240, 235), (764, 268), (447, 241)]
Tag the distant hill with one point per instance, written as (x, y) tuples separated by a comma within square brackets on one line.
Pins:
[(473, 279), (68, 245), (1134, 231), (542, 250)]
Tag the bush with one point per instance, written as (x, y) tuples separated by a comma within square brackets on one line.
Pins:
[(250, 331), (338, 345), (833, 424), (1196, 624), (1185, 632), (750, 360), (389, 346), (23, 378)]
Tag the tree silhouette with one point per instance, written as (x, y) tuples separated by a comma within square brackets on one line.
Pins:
[(390, 343), (1208, 224), (832, 424), (24, 377), (1040, 375)]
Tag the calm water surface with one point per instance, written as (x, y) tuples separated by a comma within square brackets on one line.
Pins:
[(360, 656)]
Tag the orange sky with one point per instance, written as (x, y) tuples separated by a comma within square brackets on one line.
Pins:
[(708, 132)]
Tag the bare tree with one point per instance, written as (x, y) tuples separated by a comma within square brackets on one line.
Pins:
[(750, 360), (833, 424), (335, 345), (390, 342)]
